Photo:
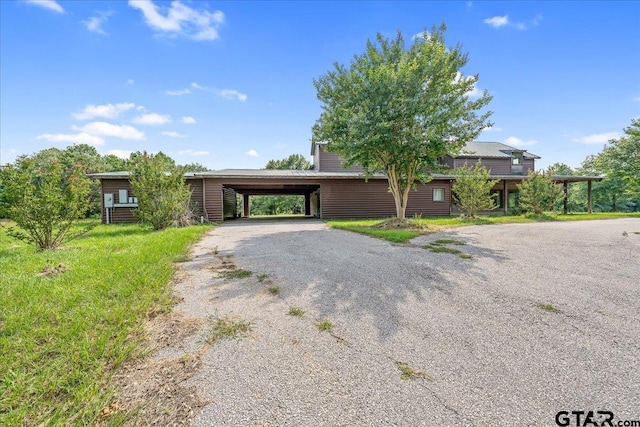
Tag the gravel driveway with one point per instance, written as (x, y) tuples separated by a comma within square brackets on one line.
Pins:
[(542, 318)]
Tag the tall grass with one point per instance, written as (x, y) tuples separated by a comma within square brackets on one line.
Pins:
[(62, 335)]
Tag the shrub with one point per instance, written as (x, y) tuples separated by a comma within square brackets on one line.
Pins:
[(539, 193), (472, 189), (163, 196), (44, 200)]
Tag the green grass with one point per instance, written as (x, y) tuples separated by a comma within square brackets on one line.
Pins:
[(433, 224), (62, 335), (274, 290), (235, 274), (226, 327), (438, 246)]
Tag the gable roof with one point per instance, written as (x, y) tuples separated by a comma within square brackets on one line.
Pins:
[(496, 150)]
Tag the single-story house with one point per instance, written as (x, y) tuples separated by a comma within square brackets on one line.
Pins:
[(332, 191)]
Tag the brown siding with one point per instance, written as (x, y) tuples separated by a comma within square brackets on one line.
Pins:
[(527, 165), (496, 166), (331, 162), (359, 199), (117, 214), (213, 199), (196, 196)]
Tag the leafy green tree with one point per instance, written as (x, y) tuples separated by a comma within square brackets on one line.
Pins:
[(620, 159), (44, 200), (472, 189), (195, 167), (294, 161), (397, 109), (539, 193), (561, 169), (163, 195)]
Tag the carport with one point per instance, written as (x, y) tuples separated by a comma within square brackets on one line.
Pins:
[(309, 191)]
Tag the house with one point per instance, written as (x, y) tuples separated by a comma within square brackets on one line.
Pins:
[(330, 190)]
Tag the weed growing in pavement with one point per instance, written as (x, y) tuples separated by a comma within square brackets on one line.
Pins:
[(274, 290), (325, 326), (296, 311), (437, 246), (262, 277), (548, 307), (408, 373), (226, 327), (235, 274)]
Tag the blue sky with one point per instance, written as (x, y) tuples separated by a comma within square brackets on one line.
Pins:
[(230, 84)]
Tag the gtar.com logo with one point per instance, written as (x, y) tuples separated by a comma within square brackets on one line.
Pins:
[(591, 418)]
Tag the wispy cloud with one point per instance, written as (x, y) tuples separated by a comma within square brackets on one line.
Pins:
[(79, 138), (180, 19), (497, 21), (178, 92), (188, 120), (192, 153), (152, 119), (501, 21), (174, 134), (130, 82), (197, 86), (232, 94), (46, 4), (252, 153), (109, 129), (94, 23), (123, 154), (492, 129), (597, 138), (420, 35), (517, 142), (106, 111)]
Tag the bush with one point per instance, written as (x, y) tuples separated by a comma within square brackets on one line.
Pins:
[(44, 200), (472, 189), (539, 193), (163, 196)]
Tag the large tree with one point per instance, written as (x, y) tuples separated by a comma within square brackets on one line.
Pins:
[(396, 109), (620, 159), (294, 161)]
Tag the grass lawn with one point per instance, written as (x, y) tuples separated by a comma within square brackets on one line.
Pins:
[(69, 317), (430, 225)]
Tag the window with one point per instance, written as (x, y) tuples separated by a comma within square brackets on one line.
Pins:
[(498, 198), (516, 159), (438, 194)]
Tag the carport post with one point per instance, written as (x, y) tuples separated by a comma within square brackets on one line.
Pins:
[(245, 206), (589, 207), (565, 188), (505, 197)]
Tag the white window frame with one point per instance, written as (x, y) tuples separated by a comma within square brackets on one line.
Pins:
[(438, 191)]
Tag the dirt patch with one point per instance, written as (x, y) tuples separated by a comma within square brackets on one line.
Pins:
[(150, 392), (52, 271), (401, 224)]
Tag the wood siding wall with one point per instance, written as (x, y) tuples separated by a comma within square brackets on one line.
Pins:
[(213, 199), (527, 165), (331, 162), (111, 186), (359, 199), (496, 166), (196, 202)]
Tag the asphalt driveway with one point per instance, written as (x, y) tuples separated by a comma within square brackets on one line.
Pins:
[(542, 318)]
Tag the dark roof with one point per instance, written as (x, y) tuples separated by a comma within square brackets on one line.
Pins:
[(496, 150)]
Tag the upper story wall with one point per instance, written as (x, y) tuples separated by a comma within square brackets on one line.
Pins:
[(496, 166), (325, 161)]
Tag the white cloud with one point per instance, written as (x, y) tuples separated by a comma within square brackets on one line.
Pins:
[(178, 92), (108, 129), (174, 134), (197, 86), (188, 120), (497, 21), (420, 35), (637, 98), (492, 129), (517, 142), (597, 138), (130, 81), (79, 138), (123, 154), (107, 111), (180, 19), (47, 4), (252, 153), (152, 119), (192, 153), (232, 94), (94, 23)]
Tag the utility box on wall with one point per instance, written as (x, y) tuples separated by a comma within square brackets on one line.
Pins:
[(108, 200), (123, 196)]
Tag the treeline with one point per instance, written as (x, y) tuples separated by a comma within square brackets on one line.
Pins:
[(86, 160)]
